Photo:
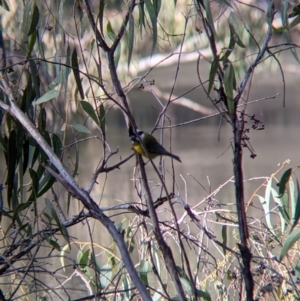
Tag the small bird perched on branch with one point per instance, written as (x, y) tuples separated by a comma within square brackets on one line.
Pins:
[(153, 147)]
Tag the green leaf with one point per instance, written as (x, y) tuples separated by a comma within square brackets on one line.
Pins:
[(46, 97), (34, 20), (295, 22), (87, 107), (203, 294), (153, 18), (157, 6), (143, 270), (213, 72), (54, 244), (289, 242), (60, 78), (4, 5), (25, 155), (110, 32), (112, 36), (184, 279), (282, 214), (288, 38), (63, 230), (57, 145), (62, 255), (105, 276), (209, 16), (46, 183), (34, 185), (283, 181), (224, 238), (269, 13), (296, 216), (224, 2), (126, 287), (130, 39), (235, 37), (75, 68), (284, 13), (141, 8), (229, 80), (31, 43), (101, 14), (19, 208), (83, 258), (80, 128), (12, 164), (101, 115), (30, 19)]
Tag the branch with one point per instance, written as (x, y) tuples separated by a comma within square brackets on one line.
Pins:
[(73, 188)]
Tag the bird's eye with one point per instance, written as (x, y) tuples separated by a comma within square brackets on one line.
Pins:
[(140, 133)]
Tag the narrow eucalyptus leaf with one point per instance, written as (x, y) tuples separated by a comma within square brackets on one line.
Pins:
[(87, 107), (46, 97), (283, 181), (81, 128), (153, 17), (75, 68)]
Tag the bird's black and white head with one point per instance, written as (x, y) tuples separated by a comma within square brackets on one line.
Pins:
[(134, 138)]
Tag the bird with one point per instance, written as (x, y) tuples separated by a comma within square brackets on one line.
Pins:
[(153, 147)]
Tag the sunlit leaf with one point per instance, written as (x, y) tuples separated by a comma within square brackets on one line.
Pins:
[(63, 127), (282, 214), (83, 258), (289, 242), (80, 128), (105, 275), (46, 97), (283, 181), (62, 255), (143, 270), (265, 202), (126, 287), (296, 215)]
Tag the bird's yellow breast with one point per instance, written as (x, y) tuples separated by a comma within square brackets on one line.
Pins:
[(140, 150)]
